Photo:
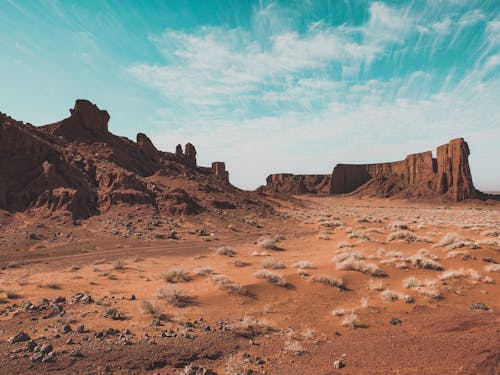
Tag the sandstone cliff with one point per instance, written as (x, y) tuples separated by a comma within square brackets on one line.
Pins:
[(417, 176), (77, 167)]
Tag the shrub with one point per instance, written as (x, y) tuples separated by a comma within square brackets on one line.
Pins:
[(175, 275), (330, 281), (272, 263), (203, 270), (304, 265), (375, 285), (351, 320), (402, 235), (174, 295), (361, 266), (119, 265), (250, 327), (223, 283), (422, 261), (411, 282), (492, 268), (398, 225), (225, 250), (448, 239), (389, 295), (272, 277), (150, 308), (267, 243)]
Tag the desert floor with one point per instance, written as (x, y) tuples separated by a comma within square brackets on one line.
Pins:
[(370, 285)]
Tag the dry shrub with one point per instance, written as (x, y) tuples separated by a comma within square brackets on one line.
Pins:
[(175, 275), (272, 263), (330, 281), (223, 283), (403, 235), (250, 327), (267, 243), (304, 265), (362, 266), (351, 320), (225, 250), (174, 295), (272, 277), (203, 270)]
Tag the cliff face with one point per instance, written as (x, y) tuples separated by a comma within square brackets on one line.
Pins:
[(287, 183), (419, 175)]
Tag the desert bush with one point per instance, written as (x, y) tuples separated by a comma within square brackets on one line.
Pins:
[(150, 308), (330, 281), (420, 260), (223, 283), (398, 225), (175, 275), (294, 347), (303, 264), (272, 263), (411, 282), (448, 239), (238, 263), (250, 327), (272, 277), (492, 268), (225, 250), (267, 243), (389, 295), (259, 254), (351, 320), (351, 264), (344, 244), (203, 270), (119, 265), (174, 295), (375, 285), (464, 255), (402, 235), (347, 254)]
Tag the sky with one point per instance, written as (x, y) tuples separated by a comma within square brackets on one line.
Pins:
[(266, 86)]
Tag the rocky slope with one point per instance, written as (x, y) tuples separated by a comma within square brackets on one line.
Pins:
[(77, 167)]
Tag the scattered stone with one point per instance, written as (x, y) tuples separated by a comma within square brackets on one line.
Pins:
[(20, 337), (479, 306), (395, 321), (339, 363)]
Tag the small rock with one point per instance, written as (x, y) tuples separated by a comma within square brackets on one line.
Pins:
[(338, 363), (20, 337)]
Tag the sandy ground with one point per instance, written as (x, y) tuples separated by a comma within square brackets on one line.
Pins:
[(371, 286)]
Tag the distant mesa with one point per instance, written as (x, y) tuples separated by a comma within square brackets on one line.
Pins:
[(417, 176), (77, 167)]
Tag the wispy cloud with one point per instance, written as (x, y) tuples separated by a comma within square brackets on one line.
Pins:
[(319, 94)]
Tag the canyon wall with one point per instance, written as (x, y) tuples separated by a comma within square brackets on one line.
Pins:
[(418, 175), (287, 183)]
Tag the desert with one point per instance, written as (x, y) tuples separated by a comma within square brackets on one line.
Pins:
[(152, 264), (250, 187)]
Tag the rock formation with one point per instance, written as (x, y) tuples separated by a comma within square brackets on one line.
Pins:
[(287, 183), (77, 167), (417, 176)]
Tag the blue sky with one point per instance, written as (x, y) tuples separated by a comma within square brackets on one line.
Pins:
[(266, 86)]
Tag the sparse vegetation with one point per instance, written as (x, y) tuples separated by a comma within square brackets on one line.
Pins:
[(351, 320), (362, 266), (330, 281), (272, 263), (175, 275), (223, 283), (225, 250), (119, 265), (272, 277), (203, 270), (267, 243), (304, 265), (402, 235), (174, 295)]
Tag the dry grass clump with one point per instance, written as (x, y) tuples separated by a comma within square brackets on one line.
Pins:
[(238, 263), (259, 253), (119, 265), (460, 273), (391, 296), (347, 254), (267, 242), (423, 260), (351, 320), (203, 270), (223, 283), (375, 284), (492, 268), (294, 347), (430, 291), (464, 255), (225, 250), (272, 263), (303, 265), (330, 281), (250, 327), (403, 236), (151, 308), (363, 237), (449, 239), (175, 275), (412, 282), (398, 225), (353, 264), (272, 277), (492, 232), (343, 245), (174, 295)]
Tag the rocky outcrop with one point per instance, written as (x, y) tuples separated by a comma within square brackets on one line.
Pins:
[(219, 170), (419, 175), (86, 120), (147, 147), (286, 183), (77, 166)]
